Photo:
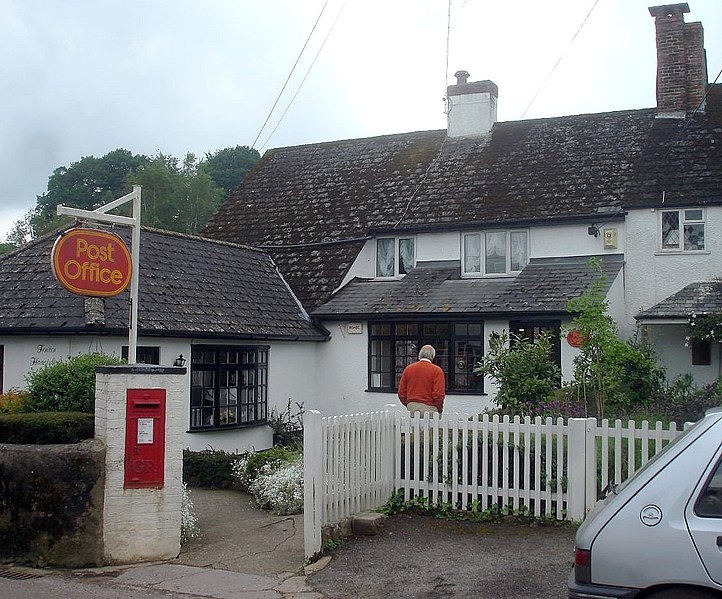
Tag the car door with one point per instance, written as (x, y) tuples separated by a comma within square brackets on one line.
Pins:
[(704, 517)]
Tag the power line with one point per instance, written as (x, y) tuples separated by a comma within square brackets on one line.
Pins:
[(300, 85), (560, 58), (253, 145)]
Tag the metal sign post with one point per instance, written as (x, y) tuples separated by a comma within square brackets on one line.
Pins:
[(100, 215)]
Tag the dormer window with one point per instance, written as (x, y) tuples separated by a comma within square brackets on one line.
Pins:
[(494, 252), (395, 256), (683, 230)]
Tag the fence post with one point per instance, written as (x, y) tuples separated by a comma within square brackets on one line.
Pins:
[(391, 449), (590, 468), (312, 482), (577, 469)]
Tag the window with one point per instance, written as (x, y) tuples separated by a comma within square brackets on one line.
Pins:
[(144, 354), (532, 330), (395, 345), (394, 256), (683, 230), (701, 353), (709, 503), (229, 386), (503, 252)]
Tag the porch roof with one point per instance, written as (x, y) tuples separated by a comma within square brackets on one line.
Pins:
[(543, 287), (702, 297)]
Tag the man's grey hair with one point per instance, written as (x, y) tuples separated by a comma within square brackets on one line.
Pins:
[(427, 352)]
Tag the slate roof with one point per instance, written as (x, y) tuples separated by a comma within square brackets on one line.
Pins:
[(311, 206), (189, 286), (704, 297), (543, 287)]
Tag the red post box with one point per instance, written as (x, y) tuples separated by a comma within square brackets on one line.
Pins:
[(144, 438)]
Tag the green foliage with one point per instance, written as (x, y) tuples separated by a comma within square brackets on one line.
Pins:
[(251, 464), (228, 167), (46, 427), (288, 426), (209, 468), (7, 247), (445, 511), (705, 327), (177, 197), (609, 372), (14, 401), (682, 401), (525, 371), (67, 386)]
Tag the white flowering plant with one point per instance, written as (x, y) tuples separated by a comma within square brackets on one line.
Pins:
[(189, 521), (279, 487), (274, 477)]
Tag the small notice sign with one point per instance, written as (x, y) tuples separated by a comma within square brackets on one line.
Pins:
[(145, 431), (355, 328)]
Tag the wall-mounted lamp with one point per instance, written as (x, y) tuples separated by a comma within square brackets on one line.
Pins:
[(180, 361), (593, 230)]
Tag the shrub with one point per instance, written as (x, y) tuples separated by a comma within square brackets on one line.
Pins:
[(287, 426), (209, 468), (46, 427), (67, 386), (525, 371), (248, 467), (683, 402), (280, 489), (14, 401)]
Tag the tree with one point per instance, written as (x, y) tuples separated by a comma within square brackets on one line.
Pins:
[(609, 371), (228, 167), (176, 197), (90, 182)]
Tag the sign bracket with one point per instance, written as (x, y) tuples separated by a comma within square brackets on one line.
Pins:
[(101, 215)]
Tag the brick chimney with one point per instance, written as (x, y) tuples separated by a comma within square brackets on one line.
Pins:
[(470, 107), (681, 61)]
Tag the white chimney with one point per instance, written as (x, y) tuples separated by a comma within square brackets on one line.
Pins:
[(470, 107)]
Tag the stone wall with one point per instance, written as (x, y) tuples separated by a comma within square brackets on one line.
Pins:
[(51, 503)]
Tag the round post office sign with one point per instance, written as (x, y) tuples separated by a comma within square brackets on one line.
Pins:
[(91, 262), (575, 338)]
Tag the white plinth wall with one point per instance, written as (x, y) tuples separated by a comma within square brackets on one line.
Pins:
[(140, 524)]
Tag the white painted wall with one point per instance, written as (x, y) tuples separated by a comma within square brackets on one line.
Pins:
[(653, 275), (572, 240), (669, 344)]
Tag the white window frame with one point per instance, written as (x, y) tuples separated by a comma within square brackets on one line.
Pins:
[(482, 253), (396, 257), (683, 219)]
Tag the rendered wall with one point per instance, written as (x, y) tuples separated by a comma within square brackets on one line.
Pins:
[(669, 344)]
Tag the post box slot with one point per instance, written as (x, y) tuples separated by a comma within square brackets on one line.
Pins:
[(146, 404)]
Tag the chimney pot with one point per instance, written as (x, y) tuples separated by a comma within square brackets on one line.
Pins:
[(461, 77)]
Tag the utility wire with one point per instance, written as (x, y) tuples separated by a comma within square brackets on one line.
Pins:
[(694, 112), (300, 85), (541, 87), (441, 148), (253, 145)]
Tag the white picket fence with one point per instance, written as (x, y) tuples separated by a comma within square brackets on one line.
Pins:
[(546, 467)]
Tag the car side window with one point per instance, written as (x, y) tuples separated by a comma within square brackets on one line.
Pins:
[(709, 503)]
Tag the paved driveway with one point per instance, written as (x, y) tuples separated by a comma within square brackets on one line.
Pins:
[(421, 557)]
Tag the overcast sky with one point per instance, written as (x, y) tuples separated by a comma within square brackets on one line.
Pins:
[(84, 77)]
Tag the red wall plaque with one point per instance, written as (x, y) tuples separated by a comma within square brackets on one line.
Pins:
[(574, 338), (91, 262)]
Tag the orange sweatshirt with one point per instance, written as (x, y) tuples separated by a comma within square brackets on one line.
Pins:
[(424, 382)]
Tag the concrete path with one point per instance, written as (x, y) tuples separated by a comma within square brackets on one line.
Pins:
[(242, 553)]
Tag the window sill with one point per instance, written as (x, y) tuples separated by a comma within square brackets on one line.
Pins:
[(480, 393), (682, 253), (498, 275), (234, 427)]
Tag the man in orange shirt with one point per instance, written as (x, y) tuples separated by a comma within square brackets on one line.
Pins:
[(423, 386)]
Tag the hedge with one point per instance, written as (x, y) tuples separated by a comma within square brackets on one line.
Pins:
[(44, 428)]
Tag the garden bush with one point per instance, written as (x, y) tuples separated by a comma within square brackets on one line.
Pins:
[(67, 386), (280, 489), (14, 401), (251, 464), (682, 401), (46, 427), (211, 468)]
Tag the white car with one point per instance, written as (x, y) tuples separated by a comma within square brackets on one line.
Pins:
[(660, 534)]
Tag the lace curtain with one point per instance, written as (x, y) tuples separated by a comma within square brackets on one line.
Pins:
[(472, 253), (496, 252), (518, 250), (385, 258), (406, 255)]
